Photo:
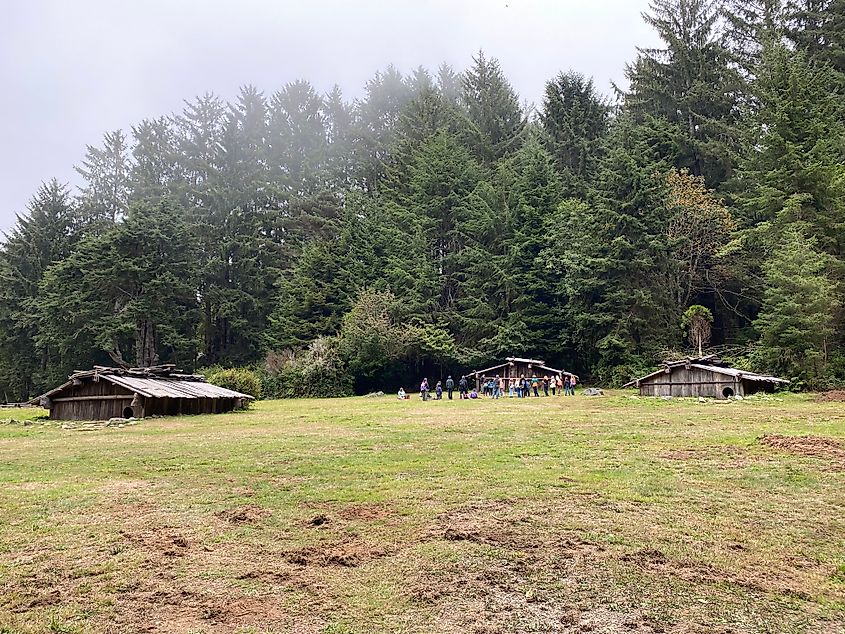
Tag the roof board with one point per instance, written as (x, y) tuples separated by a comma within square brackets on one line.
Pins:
[(171, 388)]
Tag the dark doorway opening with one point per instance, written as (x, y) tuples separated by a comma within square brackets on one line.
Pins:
[(128, 412), (727, 392)]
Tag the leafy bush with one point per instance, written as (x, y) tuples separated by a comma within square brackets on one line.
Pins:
[(242, 380), (315, 372), (370, 338)]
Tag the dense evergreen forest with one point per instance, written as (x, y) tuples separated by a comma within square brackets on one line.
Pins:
[(437, 223)]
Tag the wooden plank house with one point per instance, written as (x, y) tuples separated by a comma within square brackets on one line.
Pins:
[(516, 367), (706, 376), (104, 393)]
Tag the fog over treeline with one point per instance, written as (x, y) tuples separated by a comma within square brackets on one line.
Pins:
[(434, 225)]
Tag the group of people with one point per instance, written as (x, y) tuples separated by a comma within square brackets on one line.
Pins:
[(497, 387), (525, 387), (425, 389)]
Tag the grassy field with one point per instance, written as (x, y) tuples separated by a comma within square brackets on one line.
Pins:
[(356, 515)]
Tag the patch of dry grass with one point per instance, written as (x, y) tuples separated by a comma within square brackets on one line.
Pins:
[(371, 515)]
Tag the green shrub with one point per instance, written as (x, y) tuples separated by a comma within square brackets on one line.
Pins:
[(315, 372), (242, 380)]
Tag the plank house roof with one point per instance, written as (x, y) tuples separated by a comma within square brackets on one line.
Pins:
[(495, 367), (509, 361), (157, 382)]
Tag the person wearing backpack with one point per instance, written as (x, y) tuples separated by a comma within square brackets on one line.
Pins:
[(463, 387), (450, 386)]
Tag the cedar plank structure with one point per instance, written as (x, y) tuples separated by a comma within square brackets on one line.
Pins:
[(705, 376), (516, 367), (104, 393)]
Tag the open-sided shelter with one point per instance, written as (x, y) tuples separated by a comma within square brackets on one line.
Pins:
[(516, 367), (104, 393), (706, 376)]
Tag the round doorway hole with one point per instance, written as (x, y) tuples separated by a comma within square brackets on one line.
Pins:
[(128, 412), (727, 392)]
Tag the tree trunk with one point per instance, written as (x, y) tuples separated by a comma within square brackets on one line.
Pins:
[(117, 356), (146, 348)]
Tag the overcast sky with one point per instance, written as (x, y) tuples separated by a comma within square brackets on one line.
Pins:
[(70, 71)]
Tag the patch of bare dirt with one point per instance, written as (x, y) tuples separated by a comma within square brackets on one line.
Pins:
[(347, 553), (368, 511), (36, 599), (362, 512), (319, 520), (755, 580), (167, 542), (248, 514), (833, 396), (513, 595), (162, 599), (185, 611), (828, 449), (496, 524), (544, 577)]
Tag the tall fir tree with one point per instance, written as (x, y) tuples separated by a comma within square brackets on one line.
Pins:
[(492, 107), (797, 321), (131, 290), (752, 26), (376, 116), (104, 197), (43, 236), (575, 119), (154, 171), (794, 165), (689, 83), (298, 140), (817, 27)]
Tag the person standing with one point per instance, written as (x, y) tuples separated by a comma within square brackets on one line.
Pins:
[(450, 386), (559, 383), (510, 388), (566, 385), (463, 388), (535, 384), (546, 384), (553, 384), (424, 389), (572, 385)]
